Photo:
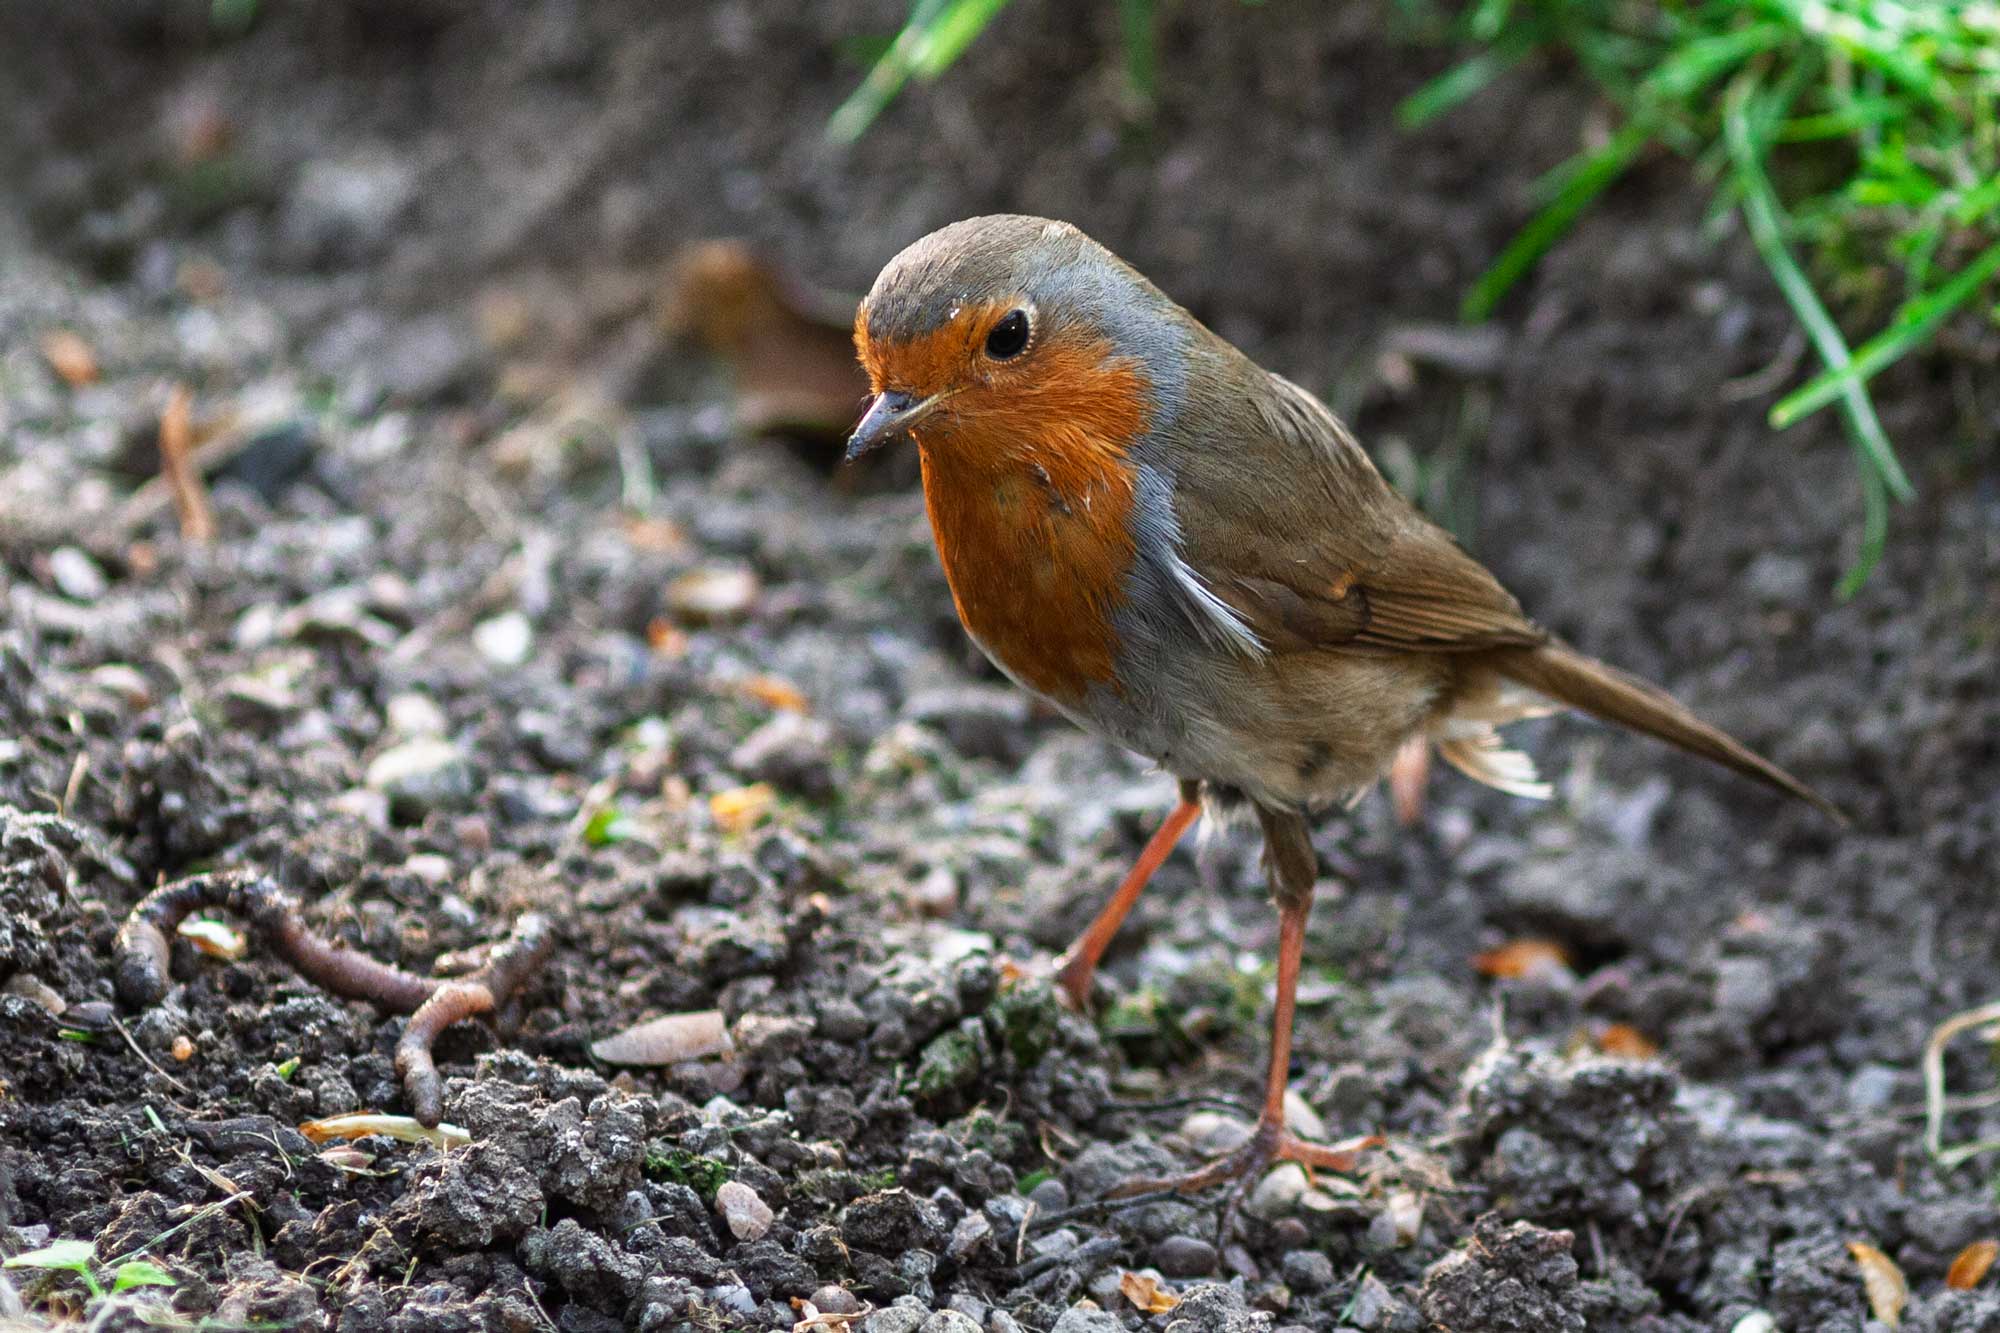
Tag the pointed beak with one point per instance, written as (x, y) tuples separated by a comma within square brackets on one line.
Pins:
[(890, 415)]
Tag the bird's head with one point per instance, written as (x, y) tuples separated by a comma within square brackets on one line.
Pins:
[(1012, 336)]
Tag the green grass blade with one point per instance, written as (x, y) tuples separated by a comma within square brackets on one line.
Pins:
[(1874, 527), (1879, 468), (1595, 171), (947, 36), (1140, 31), (1912, 327), (1457, 84), (885, 78)]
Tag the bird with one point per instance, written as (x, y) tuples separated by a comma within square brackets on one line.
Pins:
[(1192, 557)]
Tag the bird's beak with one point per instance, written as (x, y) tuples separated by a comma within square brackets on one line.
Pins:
[(888, 416)]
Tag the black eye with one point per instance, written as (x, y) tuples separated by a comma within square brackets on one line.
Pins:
[(1009, 336)]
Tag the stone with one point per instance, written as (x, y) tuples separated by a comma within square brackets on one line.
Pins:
[(743, 1211), (423, 776)]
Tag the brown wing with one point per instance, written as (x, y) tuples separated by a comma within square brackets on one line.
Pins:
[(1298, 532)]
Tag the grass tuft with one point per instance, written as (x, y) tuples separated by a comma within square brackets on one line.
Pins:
[(1862, 134)]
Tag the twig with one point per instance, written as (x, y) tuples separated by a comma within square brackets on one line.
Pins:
[(177, 464), (1934, 1098), (153, 1065), (433, 1003), (1768, 380)]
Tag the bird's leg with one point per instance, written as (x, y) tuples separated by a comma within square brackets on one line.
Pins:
[(1079, 965), (1289, 859)]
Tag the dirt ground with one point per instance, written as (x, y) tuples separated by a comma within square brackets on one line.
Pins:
[(496, 563)]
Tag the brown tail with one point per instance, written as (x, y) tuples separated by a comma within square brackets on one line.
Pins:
[(1604, 691)]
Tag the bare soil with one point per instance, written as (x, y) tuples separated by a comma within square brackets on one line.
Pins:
[(380, 239)]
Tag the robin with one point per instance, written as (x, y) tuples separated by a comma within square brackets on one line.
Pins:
[(1191, 556)]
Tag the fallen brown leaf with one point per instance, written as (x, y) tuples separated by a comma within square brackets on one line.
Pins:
[(70, 356), (177, 464), (773, 692), (1888, 1291), (740, 808), (790, 350), (666, 638), (1146, 1294), (1970, 1266), (661, 535), (1626, 1042), (1522, 958)]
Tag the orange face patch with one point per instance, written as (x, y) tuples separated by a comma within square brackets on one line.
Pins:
[(1029, 490)]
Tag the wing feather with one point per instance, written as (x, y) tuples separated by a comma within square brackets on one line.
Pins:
[(1321, 552)]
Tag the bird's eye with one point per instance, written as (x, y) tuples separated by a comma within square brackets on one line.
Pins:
[(1009, 336)]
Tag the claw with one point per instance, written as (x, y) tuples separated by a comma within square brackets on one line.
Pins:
[(1271, 1143)]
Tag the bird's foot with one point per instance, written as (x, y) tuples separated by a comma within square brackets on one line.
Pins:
[(1073, 981), (1270, 1144)]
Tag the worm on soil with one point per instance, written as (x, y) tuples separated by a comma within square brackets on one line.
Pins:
[(433, 1003)]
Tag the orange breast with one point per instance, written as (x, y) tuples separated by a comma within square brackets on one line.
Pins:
[(1030, 499), (1036, 577)]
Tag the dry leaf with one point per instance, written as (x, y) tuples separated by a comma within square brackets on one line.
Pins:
[(70, 356), (178, 465), (668, 1040), (214, 939), (773, 692), (1887, 1290), (1971, 1264), (666, 638), (1146, 1294), (362, 1124), (662, 536), (789, 350), (740, 808), (1626, 1042), (1523, 958)]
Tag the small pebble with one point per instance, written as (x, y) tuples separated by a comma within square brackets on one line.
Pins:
[(1277, 1192), (835, 1299), (412, 715), (1212, 1133), (1060, 1241), (420, 776), (1288, 1233), (971, 1232), (76, 575), (1051, 1196), (841, 1019), (1184, 1256), (748, 1216), (949, 1321), (1301, 1119), (734, 1296), (714, 593), (505, 640), (1307, 1270)]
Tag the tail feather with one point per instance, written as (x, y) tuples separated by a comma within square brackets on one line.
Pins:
[(1603, 691)]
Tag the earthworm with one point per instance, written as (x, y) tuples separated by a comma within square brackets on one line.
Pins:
[(433, 1003)]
